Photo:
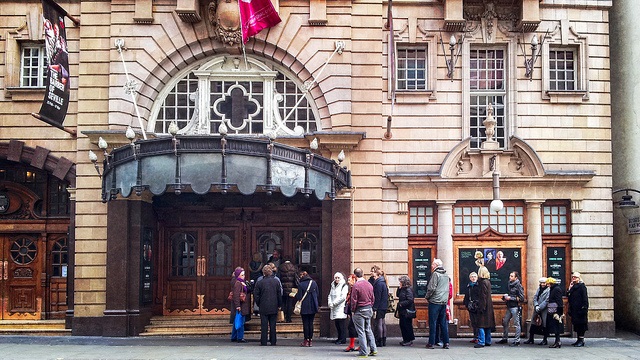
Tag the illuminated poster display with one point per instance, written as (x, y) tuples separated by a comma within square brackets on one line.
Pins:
[(499, 261)]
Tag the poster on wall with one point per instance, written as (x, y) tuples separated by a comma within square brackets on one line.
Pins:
[(499, 261), (421, 271), (146, 291), (556, 263)]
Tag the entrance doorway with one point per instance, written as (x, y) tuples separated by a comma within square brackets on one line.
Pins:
[(20, 282), (200, 248)]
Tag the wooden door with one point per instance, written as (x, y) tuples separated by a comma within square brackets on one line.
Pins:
[(58, 259), (20, 286), (200, 262)]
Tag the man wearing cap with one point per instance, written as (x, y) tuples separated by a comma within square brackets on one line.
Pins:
[(540, 300)]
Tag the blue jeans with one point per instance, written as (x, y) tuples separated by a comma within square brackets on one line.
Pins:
[(484, 336), (239, 333), (362, 321), (438, 317)]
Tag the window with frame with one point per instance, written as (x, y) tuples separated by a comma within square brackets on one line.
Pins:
[(256, 101), (474, 218), (487, 85), (421, 220), (412, 68), (555, 219), (562, 69), (33, 65)]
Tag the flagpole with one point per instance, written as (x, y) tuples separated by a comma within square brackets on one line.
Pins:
[(62, 11), (130, 85), (309, 86)]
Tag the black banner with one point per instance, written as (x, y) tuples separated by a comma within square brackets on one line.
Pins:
[(56, 98), (421, 271)]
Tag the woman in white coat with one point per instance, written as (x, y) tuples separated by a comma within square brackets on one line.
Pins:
[(337, 301)]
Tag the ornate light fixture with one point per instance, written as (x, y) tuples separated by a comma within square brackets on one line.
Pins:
[(536, 49), (455, 49), (102, 144), (627, 204)]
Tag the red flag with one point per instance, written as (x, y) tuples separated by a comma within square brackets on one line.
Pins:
[(256, 15)]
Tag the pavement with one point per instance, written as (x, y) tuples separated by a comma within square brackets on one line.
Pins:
[(622, 345)]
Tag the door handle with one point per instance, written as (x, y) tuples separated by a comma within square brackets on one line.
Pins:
[(5, 271), (198, 266), (204, 266)]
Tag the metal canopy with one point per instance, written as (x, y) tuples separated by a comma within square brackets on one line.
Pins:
[(202, 164)]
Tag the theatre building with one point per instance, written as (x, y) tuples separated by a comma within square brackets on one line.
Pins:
[(466, 130)]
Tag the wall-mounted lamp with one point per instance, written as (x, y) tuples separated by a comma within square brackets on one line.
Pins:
[(536, 48), (496, 204), (454, 53), (626, 204), (102, 144)]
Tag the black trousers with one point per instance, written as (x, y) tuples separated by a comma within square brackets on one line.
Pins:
[(554, 327), (287, 307), (307, 325), (406, 328), (341, 328), (352, 328), (270, 322)]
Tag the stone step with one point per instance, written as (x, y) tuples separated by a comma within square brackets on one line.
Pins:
[(34, 327), (214, 326)]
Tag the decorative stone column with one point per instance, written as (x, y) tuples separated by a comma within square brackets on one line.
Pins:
[(445, 238), (534, 248)]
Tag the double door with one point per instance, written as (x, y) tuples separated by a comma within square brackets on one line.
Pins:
[(20, 277), (200, 263)]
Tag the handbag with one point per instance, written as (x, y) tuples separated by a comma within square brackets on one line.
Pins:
[(280, 316), (473, 306), (298, 307), (537, 320), (411, 314), (552, 308), (243, 296), (390, 307)]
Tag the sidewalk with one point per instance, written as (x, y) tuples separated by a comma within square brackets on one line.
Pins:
[(623, 346)]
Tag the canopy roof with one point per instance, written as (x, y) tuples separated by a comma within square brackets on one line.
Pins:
[(202, 164)]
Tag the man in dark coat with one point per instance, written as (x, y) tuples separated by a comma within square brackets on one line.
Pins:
[(267, 295), (287, 272)]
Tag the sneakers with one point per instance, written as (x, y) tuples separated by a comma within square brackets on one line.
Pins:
[(477, 346), (515, 343), (503, 341), (408, 343), (429, 346), (445, 346), (373, 353)]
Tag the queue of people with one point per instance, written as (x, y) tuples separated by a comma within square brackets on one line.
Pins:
[(359, 307)]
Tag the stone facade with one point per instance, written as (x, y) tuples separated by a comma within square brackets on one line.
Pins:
[(556, 144)]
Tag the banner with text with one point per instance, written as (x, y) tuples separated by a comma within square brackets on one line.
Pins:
[(56, 99)]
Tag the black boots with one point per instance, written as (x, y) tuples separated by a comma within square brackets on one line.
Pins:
[(579, 343)]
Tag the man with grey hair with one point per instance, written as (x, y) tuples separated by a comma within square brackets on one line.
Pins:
[(438, 296), (362, 309)]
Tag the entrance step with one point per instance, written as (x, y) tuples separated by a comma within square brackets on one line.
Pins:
[(34, 327), (218, 326)]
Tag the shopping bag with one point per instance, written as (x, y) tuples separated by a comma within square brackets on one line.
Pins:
[(239, 321)]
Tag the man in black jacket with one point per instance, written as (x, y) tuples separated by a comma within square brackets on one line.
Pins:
[(513, 299), (267, 295)]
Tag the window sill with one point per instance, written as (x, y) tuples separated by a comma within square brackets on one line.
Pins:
[(418, 96), (25, 94), (567, 97)]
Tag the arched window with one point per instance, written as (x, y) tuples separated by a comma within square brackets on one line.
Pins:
[(249, 97)]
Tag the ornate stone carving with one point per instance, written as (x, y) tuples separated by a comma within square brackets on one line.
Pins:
[(493, 13), (224, 16)]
